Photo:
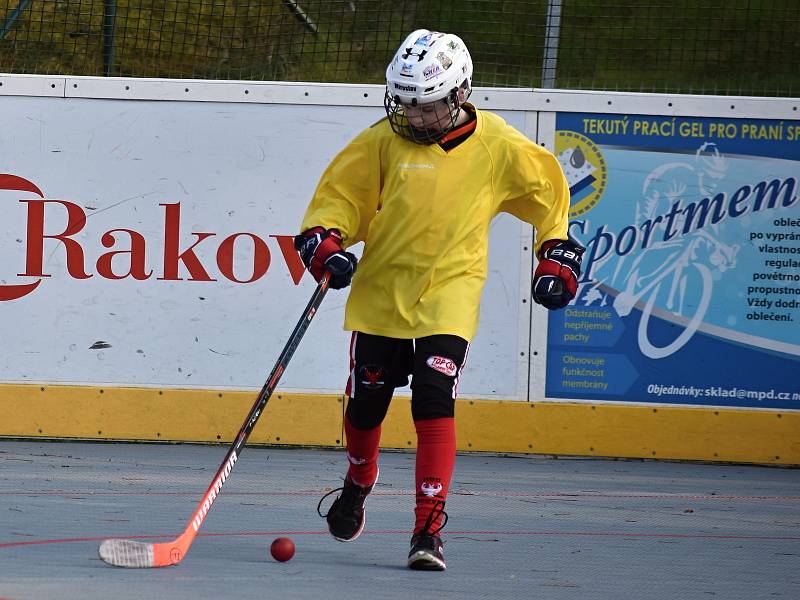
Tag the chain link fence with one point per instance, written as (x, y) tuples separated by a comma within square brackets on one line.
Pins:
[(741, 47)]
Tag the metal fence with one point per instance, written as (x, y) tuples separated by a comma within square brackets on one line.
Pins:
[(743, 47)]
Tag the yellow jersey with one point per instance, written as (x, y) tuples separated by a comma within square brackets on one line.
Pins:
[(424, 215)]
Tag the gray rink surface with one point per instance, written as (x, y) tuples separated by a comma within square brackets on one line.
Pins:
[(520, 526)]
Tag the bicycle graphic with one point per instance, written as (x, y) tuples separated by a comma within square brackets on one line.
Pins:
[(674, 274)]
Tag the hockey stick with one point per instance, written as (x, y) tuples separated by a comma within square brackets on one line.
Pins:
[(129, 553)]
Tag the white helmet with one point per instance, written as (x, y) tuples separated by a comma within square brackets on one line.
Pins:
[(429, 66)]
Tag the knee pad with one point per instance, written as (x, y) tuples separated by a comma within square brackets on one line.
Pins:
[(431, 402), (371, 395)]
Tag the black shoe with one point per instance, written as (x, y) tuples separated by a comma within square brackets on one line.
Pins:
[(346, 515), (426, 553), (426, 546)]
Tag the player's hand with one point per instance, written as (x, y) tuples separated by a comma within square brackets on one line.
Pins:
[(556, 278), (322, 251)]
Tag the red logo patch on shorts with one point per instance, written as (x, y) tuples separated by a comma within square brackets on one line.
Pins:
[(372, 376), (443, 365)]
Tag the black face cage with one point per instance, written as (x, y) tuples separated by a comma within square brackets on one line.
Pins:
[(446, 110)]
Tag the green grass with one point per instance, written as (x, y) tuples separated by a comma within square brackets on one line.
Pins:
[(749, 47)]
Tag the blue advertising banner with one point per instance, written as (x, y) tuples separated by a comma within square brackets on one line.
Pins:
[(691, 278)]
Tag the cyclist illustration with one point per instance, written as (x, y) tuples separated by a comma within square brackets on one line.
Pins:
[(672, 278)]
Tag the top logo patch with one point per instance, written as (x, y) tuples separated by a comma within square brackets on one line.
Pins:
[(443, 365)]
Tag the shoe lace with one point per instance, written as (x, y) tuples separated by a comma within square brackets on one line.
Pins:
[(321, 500), (351, 494), (436, 512)]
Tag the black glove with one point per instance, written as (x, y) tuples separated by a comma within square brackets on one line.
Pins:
[(556, 278), (321, 250)]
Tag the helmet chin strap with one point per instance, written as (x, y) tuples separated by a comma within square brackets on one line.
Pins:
[(458, 102)]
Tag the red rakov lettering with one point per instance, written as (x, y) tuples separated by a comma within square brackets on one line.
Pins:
[(127, 248), (15, 183)]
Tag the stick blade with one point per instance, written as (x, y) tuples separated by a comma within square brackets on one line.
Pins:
[(127, 553)]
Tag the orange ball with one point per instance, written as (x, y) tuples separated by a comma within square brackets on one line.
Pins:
[(282, 549)]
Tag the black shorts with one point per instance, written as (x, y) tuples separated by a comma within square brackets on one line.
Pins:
[(380, 364)]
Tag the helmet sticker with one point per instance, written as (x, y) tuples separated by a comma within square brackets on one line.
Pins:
[(431, 71), (446, 61), (410, 52)]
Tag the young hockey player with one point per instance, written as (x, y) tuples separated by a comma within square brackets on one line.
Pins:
[(421, 188)]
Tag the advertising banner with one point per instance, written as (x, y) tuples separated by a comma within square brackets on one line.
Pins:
[(149, 243), (690, 292)]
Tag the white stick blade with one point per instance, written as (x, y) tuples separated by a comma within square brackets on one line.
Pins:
[(127, 553)]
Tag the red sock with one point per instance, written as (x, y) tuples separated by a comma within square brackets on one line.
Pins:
[(362, 453), (436, 456)]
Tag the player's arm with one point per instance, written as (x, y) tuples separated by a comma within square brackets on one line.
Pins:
[(343, 205), (537, 192)]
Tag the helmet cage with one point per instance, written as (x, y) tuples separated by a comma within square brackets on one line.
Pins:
[(446, 111)]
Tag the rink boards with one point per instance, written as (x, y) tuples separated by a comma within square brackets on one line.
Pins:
[(148, 283)]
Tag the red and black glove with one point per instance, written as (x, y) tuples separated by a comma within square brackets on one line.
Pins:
[(322, 251), (556, 278)]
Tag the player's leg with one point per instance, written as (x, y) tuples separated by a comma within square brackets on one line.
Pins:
[(438, 361), (377, 366)]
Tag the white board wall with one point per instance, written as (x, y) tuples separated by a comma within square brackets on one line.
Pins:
[(232, 168)]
